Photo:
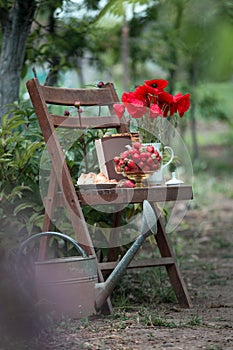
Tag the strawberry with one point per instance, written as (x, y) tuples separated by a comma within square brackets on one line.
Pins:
[(156, 166), (131, 164), (132, 151), (129, 183), (126, 184), (146, 168), (118, 168), (150, 161), (145, 155), (141, 164), (125, 154), (137, 145), (121, 162), (150, 149), (116, 160), (136, 157)]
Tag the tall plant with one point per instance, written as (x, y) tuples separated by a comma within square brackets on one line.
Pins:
[(21, 145)]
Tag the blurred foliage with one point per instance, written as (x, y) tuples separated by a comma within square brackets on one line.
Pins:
[(211, 107), (21, 145), (221, 52)]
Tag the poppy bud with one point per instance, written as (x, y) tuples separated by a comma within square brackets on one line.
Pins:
[(77, 103), (100, 84)]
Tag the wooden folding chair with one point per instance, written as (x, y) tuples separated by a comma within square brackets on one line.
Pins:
[(61, 190)]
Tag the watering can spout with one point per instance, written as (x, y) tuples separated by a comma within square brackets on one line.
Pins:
[(148, 227)]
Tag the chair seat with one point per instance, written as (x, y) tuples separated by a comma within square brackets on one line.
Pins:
[(116, 196)]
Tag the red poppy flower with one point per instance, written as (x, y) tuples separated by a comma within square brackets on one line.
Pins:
[(145, 93), (155, 111), (165, 97), (182, 103), (136, 108), (119, 109), (165, 100), (152, 100), (172, 109), (158, 84), (127, 97)]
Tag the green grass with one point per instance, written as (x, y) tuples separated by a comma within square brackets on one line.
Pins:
[(150, 287), (215, 279), (148, 316), (220, 242), (194, 320)]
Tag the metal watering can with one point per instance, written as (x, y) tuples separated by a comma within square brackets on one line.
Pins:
[(69, 286)]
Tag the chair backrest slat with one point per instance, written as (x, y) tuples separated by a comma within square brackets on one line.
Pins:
[(86, 97), (85, 122), (43, 96)]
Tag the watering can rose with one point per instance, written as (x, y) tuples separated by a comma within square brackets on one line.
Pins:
[(138, 159)]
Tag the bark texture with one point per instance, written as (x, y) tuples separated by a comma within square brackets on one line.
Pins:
[(15, 24)]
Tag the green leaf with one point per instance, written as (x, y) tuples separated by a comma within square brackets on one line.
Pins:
[(114, 7), (21, 207), (17, 191)]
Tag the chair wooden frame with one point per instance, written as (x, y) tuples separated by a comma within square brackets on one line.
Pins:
[(61, 191)]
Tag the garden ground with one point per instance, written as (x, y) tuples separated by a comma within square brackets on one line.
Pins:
[(209, 277), (205, 251), (150, 318)]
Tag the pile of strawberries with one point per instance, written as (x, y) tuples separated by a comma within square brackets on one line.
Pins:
[(138, 159)]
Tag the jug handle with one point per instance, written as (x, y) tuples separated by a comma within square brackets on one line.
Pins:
[(171, 158)]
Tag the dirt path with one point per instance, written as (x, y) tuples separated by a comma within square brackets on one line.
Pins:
[(150, 318), (207, 241)]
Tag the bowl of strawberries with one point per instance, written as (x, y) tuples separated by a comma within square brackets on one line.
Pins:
[(138, 162)]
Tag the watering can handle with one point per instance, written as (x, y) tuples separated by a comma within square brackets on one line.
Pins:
[(172, 156), (57, 234), (24, 289)]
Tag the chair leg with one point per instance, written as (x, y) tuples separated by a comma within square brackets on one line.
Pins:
[(49, 210), (114, 237), (173, 271)]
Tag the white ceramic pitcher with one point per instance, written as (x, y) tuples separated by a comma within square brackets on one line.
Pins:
[(157, 177)]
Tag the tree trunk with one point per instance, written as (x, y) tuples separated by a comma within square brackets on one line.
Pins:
[(80, 71), (16, 25), (194, 132), (173, 48), (125, 55), (193, 81), (52, 77)]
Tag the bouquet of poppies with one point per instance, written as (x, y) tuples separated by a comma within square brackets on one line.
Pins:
[(148, 104)]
